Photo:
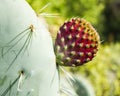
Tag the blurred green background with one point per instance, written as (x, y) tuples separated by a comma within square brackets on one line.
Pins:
[(104, 71)]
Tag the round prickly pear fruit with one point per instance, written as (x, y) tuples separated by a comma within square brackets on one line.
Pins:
[(76, 43)]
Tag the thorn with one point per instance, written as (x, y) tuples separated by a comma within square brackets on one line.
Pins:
[(81, 45), (32, 28), (89, 54), (70, 37), (78, 61), (72, 27), (73, 65), (68, 58), (72, 53), (65, 47), (44, 7), (79, 28), (58, 47), (95, 50), (20, 81), (101, 41), (73, 44), (61, 55), (84, 37), (88, 59), (67, 73), (62, 39), (87, 46), (65, 27), (81, 54), (77, 36)]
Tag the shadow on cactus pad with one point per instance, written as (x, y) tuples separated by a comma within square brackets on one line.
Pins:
[(76, 86)]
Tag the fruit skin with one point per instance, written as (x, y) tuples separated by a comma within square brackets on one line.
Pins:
[(76, 43), (27, 59)]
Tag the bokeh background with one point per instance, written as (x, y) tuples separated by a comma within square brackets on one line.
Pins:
[(103, 72)]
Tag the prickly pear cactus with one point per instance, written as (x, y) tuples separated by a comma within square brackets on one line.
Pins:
[(76, 43), (27, 60)]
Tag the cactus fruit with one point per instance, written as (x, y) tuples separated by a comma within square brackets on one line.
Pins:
[(76, 43), (27, 59)]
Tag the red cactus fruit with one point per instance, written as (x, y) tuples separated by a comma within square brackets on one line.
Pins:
[(76, 43)]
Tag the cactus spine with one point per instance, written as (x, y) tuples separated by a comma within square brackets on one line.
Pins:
[(27, 60), (76, 86)]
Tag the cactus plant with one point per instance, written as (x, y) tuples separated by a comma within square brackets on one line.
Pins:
[(27, 60), (76, 42)]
